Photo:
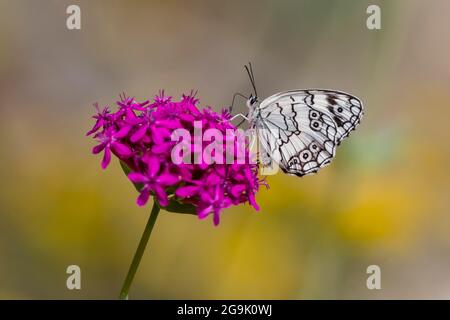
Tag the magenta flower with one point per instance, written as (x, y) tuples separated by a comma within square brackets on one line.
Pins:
[(139, 135), (110, 140), (153, 181), (102, 118), (213, 201)]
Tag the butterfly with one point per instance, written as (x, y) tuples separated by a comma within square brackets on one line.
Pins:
[(300, 129)]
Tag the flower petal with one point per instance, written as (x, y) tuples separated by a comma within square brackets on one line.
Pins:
[(139, 134), (187, 191), (99, 148), (153, 165), (121, 150), (95, 128), (213, 179), (202, 214), (161, 196), (143, 197), (161, 148), (167, 179), (137, 177), (122, 132), (160, 134), (252, 201), (236, 190), (106, 158), (216, 217)]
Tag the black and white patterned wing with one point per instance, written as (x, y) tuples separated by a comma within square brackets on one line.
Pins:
[(300, 139), (345, 110)]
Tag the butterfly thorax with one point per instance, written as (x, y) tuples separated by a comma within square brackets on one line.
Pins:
[(253, 112)]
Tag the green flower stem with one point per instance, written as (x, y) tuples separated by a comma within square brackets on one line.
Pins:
[(139, 252)]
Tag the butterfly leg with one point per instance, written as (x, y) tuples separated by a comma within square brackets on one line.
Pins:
[(240, 115), (234, 97)]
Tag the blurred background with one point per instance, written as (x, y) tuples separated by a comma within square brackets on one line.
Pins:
[(383, 201)]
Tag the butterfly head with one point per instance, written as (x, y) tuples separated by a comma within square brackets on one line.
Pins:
[(252, 99)]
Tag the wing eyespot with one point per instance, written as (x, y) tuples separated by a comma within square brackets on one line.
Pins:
[(316, 125), (313, 147), (314, 115), (305, 156), (294, 161)]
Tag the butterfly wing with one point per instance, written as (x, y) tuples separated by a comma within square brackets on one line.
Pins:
[(345, 110), (301, 139)]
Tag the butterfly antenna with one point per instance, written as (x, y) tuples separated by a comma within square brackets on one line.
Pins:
[(251, 76), (251, 70)]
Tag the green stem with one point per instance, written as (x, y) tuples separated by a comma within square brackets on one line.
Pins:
[(139, 252)]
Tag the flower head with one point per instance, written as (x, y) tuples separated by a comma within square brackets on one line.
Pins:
[(140, 136)]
